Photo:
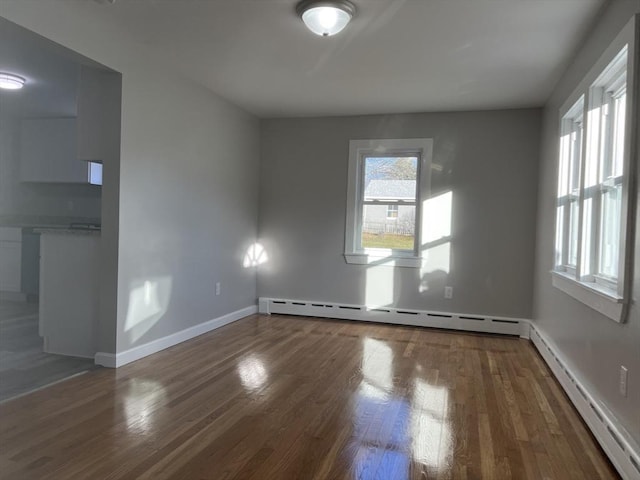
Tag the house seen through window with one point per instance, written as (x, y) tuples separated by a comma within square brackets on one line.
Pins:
[(389, 203)]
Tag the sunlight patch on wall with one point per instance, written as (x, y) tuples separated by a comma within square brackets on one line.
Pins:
[(436, 239), (256, 255), (436, 217), (148, 302), (379, 284)]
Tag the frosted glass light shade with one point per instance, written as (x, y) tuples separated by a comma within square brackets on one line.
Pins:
[(326, 18), (9, 81)]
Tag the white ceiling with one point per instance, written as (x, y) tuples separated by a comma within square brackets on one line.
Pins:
[(52, 78), (396, 56)]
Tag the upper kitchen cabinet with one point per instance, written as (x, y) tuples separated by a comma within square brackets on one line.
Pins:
[(98, 104), (48, 151)]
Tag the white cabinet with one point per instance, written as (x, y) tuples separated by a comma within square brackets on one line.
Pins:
[(69, 291), (98, 101), (10, 259), (49, 151)]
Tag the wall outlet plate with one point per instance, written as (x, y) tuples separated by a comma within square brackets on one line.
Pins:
[(448, 292)]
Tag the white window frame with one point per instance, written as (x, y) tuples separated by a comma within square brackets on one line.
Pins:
[(584, 281), (354, 253)]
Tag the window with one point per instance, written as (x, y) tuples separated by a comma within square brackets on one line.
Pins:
[(387, 179), (593, 181), (568, 215), (95, 173)]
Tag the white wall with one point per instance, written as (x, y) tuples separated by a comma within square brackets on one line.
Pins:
[(485, 161), (594, 345), (186, 206)]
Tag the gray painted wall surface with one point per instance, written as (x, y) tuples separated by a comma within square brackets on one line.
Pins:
[(38, 199), (186, 207), (594, 345), (488, 160)]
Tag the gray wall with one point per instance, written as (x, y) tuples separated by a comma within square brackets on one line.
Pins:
[(29, 200), (186, 207), (594, 345), (488, 160)]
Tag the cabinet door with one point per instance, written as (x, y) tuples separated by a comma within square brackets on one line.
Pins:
[(99, 97), (10, 262), (48, 151)]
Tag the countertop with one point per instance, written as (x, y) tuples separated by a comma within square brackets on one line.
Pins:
[(68, 231)]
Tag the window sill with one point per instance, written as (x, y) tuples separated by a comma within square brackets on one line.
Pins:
[(600, 298), (380, 259)]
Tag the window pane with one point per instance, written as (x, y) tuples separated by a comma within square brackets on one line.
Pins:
[(610, 231), (390, 178), (379, 231), (574, 214), (559, 235), (620, 106), (389, 225), (587, 268)]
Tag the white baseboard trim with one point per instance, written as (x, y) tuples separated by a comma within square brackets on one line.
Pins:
[(398, 316), (122, 358), (607, 430)]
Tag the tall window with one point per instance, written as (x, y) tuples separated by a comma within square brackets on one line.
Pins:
[(387, 179), (593, 181), (568, 215)]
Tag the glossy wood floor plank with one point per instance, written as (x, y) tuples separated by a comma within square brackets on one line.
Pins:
[(298, 398)]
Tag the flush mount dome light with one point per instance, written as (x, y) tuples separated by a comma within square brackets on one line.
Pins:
[(9, 81), (326, 18)]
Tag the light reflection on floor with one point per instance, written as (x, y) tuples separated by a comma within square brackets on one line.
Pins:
[(393, 430), (253, 373)]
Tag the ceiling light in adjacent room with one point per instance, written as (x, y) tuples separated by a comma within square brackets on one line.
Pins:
[(326, 18), (9, 81)]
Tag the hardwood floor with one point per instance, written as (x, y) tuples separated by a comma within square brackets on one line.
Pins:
[(24, 367), (297, 398)]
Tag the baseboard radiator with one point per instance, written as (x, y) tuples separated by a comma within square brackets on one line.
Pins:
[(397, 316), (623, 454)]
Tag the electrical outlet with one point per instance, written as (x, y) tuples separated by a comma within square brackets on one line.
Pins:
[(448, 292), (623, 380), (217, 288)]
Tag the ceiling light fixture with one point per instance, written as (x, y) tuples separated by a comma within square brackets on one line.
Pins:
[(326, 18), (8, 81)]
